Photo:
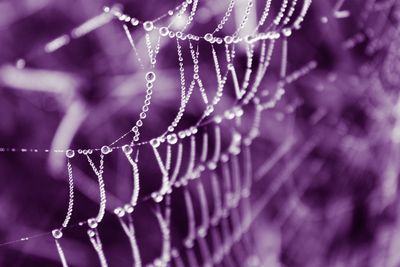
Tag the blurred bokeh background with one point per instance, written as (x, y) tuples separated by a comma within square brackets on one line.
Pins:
[(333, 139)]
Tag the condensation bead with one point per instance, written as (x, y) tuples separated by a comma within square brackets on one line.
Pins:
[(155, 142), (184, 182), (157, 197), (239, 112), (224, 158), (188, 243), (202, 232), (106, 150), (158, 263), (209, 110), (287, 32), (208, 37), (91, 233), (57, 234), (92, 223), (139, 123), (182, 134), (194, 130), (20, 64), (70, 153), (171, 35), (228, 39), (135, 129), (127, 149), (150, 77), (201, 167), (170, 12), (128, 208), (218, 40), (164, 31), (229, 115), (174, 253), (134, 21), (212, 165), (120, 212), (149, 86), (218, 119), (248, 39), (148, 26), (179, 35)]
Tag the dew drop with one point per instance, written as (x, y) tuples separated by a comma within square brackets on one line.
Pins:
[(218, 119), (182, 134), (150, 76), (208, 37), (287, 32), (92, 223), (157, 197), (70, 153), (194, 130), (228, 39), (229, 115), (172, 139), (91, 233), (20, 64), (155, 142), (106, 9), (212, 165), (120, 212), (170, 12), (148, 26), (164, 31), (127, 149), (105, 150), (128, 208), (158, 263), (134, 21), (188, 243), (171, 35), (57, 234)]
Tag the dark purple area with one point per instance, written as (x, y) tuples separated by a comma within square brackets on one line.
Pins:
[(324, 161)]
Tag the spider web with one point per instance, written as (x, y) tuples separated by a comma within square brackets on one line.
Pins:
[(205, 169)]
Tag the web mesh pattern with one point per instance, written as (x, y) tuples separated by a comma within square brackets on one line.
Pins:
[(212, 134)]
